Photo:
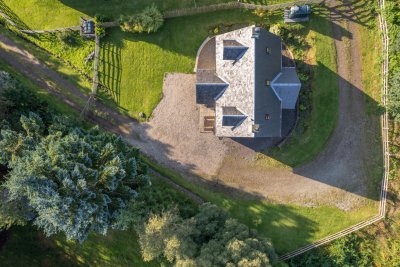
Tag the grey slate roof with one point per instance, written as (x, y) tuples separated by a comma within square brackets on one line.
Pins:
[(288, 75), (248, 87), (267, 67), (287, 85)]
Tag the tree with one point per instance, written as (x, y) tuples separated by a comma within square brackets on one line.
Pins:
[(394, 96), (352, 250), (15, 100), (74, 181), (150, 20), (12, 212), (210, 238)]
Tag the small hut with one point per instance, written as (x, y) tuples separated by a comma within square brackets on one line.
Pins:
[(87, 28), (297, 14)]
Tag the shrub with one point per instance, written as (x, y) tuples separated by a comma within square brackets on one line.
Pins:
[(150, 20), (259, 12), (100, 18), (100, 31), (66, 37)]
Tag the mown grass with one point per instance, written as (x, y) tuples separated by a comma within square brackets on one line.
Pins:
[(371, 55), (288, 226)]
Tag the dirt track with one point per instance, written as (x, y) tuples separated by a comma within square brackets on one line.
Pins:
[(336, 176)]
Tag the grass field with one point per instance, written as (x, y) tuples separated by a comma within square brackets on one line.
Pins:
[(28, 247)]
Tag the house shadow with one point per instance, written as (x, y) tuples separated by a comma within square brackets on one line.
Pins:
[(347, 149)]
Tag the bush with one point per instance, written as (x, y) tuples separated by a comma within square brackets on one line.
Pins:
[(150, 20), (100, 31), (100, 18), (66, 37), (259, 12)]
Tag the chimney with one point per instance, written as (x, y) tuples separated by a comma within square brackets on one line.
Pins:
[(256, 32)]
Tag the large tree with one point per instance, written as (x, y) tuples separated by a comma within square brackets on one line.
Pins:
[(210, 238), (74, 181)]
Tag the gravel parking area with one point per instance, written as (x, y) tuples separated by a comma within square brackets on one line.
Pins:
[(173, 137)]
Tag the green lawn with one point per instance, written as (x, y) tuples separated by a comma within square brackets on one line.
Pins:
[(133, 67)]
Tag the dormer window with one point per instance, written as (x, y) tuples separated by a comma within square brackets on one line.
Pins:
[(268, 50), (267, 82), (267, 117)]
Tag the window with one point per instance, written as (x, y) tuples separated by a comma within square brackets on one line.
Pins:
[(267, 116), (267, 82), (268, 50)]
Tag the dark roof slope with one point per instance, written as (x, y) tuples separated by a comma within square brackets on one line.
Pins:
[(207, 93), (267, 106), (232, 120)]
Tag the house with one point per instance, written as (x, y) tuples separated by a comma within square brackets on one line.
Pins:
[(242, 87)]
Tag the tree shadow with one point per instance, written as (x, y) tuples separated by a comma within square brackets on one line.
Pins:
[(12, 16), (111, 68)]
